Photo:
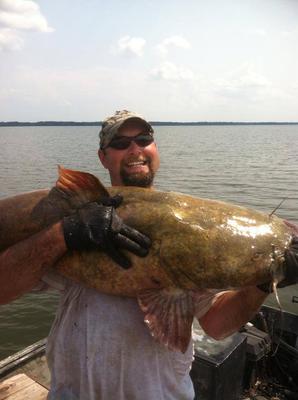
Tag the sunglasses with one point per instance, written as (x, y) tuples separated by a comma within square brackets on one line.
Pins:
[(123, 142)]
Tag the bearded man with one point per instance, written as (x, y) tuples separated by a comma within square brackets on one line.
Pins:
[(99, 347)]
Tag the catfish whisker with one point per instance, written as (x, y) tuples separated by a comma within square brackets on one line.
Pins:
[(281, 315)]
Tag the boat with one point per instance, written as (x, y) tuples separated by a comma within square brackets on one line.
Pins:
[(25, 374), (259, 362)]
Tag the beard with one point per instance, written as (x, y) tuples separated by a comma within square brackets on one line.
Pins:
[(139, 179)]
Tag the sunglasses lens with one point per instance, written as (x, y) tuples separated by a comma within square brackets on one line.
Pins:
[(120, 144), (123, 142), (143, 140)]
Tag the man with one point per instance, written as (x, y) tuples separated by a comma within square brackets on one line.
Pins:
[(99, 347)]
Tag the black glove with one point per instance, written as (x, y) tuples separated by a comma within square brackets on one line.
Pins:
[(290, 267), (98, 226), (114, 201)]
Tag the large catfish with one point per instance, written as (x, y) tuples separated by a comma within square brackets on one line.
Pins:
[(199, 247)]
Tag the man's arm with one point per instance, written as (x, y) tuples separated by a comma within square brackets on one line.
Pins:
[(94, 226), (23, 265), (234, 308), (231, 311)]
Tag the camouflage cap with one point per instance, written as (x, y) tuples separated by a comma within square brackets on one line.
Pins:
[(110, 126)]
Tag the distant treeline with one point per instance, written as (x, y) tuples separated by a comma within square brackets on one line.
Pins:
[(156, 123)]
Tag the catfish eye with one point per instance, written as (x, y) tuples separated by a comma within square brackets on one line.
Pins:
[(257, 256)]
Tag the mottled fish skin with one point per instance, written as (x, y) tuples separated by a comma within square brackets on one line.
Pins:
[(197, 244)]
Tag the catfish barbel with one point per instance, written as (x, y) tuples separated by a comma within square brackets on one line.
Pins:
[(199, 247)]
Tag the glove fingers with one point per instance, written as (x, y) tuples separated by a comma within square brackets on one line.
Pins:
[(126, 243), (117, 256), (135, 236), (294, 244), (291, 262), (114, 201)]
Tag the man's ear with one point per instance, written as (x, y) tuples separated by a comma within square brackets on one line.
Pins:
[(102, 157)]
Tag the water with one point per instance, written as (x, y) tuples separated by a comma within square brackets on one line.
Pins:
[(253, 166)]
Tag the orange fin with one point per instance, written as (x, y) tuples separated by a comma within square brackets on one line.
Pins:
[(169, 314), (73, 189), (203, 300), (84, 186)]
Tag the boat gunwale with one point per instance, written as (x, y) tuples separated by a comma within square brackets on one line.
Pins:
[(16, 360)]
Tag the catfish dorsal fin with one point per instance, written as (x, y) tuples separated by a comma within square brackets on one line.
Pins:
[(83, 186)]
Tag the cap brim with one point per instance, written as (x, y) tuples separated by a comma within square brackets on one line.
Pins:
[(132, 118)]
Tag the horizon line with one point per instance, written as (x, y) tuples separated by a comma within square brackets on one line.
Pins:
[(98, 123)]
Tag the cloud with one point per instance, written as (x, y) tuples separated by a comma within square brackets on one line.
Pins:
[(35, 93), (258, 32), (130, 46), (91, 93), (244, 82), (173, 41), (286, 34), (10, 40), (290, 34), (16, 17), (22, 15), (170, 72)]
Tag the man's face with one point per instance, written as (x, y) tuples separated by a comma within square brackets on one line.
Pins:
[(134, 166)]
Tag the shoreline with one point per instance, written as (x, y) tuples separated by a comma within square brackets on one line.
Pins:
[(154, 123)]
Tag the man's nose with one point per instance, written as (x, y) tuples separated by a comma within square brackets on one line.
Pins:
[(133, 147)]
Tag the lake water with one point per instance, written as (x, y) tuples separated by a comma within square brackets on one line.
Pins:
[(254, 166)]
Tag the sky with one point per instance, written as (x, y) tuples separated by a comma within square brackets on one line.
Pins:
[(169, 60)]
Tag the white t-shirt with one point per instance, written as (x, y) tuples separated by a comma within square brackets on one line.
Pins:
[(99, 348)]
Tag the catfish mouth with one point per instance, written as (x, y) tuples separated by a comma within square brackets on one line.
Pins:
[(292, 226)]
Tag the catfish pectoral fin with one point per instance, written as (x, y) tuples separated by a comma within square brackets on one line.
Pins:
[(169, 315), (203, 300)]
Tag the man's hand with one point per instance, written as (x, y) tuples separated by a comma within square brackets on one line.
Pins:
[(98, 226), (290, 268), (290, 265)]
